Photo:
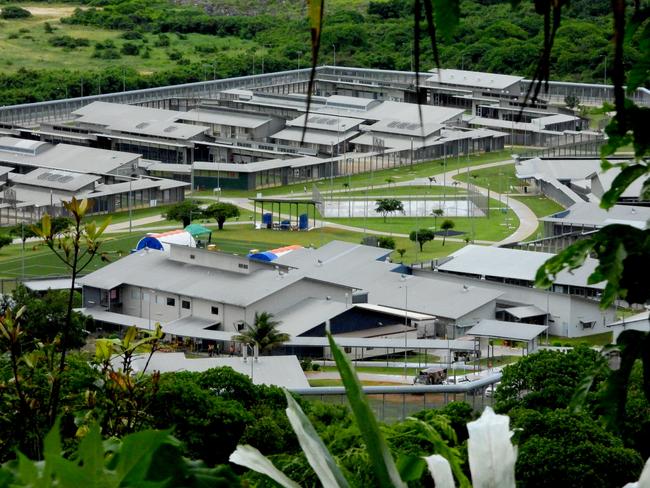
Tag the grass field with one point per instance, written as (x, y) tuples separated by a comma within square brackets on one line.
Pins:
[(541, 207), (592, 340), (489, 229), (25, 44), (429, 191), (39, 260), (500, 179), (371, 179)]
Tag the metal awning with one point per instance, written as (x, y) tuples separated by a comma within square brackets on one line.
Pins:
[(514, 331), (525, 312), (50, 284), (195, 327)]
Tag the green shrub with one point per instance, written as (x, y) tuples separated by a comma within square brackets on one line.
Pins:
[(315, 367), (130, 49), (13, 12), (68, 42), (132, 35)]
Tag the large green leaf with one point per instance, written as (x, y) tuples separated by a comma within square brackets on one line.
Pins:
[(134, 458), (317, 455), (380, 456), (251, 458), (628, 175)]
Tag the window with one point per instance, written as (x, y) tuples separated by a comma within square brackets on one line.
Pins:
[(185, 304), (171, 302), (215, 310), (192, 256), (243, 266), (240, 326)]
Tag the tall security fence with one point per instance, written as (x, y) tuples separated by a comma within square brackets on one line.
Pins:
[(393, 403), (285, 82)]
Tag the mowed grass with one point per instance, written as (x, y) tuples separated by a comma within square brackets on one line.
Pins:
[(437, 191), (541, 206), (499, 226), (374, 178), (40, 261), (25, 44), (500, 179)]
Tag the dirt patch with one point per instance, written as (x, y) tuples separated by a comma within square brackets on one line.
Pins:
[(51, 12)]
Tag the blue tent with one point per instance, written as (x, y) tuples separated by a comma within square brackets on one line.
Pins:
[(149, 242), (264, 256)]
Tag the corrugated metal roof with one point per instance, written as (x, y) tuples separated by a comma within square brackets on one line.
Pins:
[(515, 331), (515, 264), (473, 79), (307, 314), (525, 311)]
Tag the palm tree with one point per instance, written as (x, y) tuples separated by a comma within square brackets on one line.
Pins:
[(447, 225), (438, 212), (263, 333)]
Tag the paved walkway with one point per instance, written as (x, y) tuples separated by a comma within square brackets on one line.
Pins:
[(527, 219)]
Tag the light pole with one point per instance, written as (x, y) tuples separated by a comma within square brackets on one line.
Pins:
[(334, 46), (406, 304), (130, 206), (152, 295)]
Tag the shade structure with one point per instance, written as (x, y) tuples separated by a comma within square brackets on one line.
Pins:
[(273, 254), (162, 241), (197, 230)]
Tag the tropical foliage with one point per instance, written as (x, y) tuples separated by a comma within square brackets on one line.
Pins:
[(263, 333)]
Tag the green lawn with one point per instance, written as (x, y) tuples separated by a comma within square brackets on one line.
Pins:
[(496, 361), (375, 370), (591, 340), (39, 260), (488, 229), (401, 173), (500, 179), (24, 44), (429, 191), (539, 204)]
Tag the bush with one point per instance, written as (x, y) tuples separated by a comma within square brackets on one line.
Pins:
[(132, 36), (386, 242), (110, 53), (315, 367), (68, 42), (130, 49), (13, 12), (175, 55), (305, 364), (162, 41)]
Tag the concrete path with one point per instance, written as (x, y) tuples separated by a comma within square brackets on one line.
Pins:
[(527, 219), (381, 378)]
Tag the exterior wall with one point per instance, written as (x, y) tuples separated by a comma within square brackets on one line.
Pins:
[(566, 310), (297, 292)]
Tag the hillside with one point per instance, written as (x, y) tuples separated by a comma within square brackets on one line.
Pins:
[(109, 45)]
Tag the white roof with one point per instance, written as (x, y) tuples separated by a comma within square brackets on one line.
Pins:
[(50, 284), (590, 214), (69, 157), (361, 267), (55, 179), (312, 136), (158, 128), (330, 123), (560, 169), (473, 79), (225, 117), (525, 311), (307, 314), (512, 263), (283, 371), (515, 331)]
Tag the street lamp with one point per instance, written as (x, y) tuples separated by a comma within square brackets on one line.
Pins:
[(152, 294), (406, 304)]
